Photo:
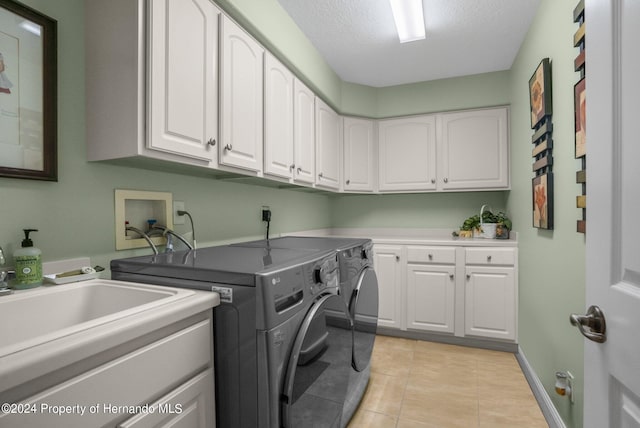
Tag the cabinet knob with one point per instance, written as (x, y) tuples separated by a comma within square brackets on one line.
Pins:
[(348, 182), (320, 175), (488, 258), (446, 180), (468, 277), (211, 142), (292, 167), (433, 181), (430, 256), (228, 147), (299, 170), (397, 258), (451, 276)]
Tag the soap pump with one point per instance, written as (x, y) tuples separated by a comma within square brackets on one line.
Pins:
[(28, 261)]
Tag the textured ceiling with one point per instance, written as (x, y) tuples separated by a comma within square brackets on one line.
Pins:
[(358, 39)]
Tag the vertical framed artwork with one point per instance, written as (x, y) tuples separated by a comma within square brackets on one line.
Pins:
[(542, 189), (540, 92), (581, 111), (28, 93)]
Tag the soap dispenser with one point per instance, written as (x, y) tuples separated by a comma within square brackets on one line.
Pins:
[(28, 261)]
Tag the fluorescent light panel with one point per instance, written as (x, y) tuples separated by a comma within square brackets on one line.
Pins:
[(409, 18)]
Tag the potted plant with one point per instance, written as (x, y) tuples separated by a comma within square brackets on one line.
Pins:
[(483, 225)]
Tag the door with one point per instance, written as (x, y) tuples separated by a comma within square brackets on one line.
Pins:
[(490, 302), (431, 298), (304, 133), (612, 368), (388, 266), (363, 308), (473, 150), (180, 77), (328, 139), (317, 377), (358, 154), (278, 118), (241, 133), (407, 153)]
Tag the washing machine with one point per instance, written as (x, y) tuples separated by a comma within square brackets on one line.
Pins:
[(359, 289), (279, 361)]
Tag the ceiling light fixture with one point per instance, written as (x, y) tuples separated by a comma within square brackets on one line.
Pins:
[(409, 18)]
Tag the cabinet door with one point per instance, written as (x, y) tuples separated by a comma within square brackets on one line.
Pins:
[(474, 150), (241, 92), (183, 95), (358, 154), (407, 153), (328, 140), (304, 133), (388, 266), (490, 302), (190, 405), (431, 298), (278, 118)]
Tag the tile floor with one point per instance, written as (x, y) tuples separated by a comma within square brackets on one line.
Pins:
[(418, 384)]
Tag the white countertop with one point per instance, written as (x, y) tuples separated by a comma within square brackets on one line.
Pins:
[(410, 236)]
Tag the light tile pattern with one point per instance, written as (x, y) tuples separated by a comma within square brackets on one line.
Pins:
[(418, 384)]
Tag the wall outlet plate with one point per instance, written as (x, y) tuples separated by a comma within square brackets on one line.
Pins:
[(178, 206)]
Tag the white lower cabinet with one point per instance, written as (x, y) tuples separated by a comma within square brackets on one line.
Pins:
[(123, 391), (387, 260), (431, 298), (468, 292)]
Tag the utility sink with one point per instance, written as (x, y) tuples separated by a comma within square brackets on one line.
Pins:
[(33, 317)]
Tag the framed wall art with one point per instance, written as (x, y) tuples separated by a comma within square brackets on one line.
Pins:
[(28, 93), (542, 189), (540, 92), (581, 112)]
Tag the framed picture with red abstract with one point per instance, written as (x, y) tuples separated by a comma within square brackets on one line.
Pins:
[(542, 186), (581, 118), (540, 92)]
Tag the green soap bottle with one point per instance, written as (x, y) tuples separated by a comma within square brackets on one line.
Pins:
[(28, 260)]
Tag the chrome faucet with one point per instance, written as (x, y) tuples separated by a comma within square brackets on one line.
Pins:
[(145, 236), (4, 274), (169, 233)]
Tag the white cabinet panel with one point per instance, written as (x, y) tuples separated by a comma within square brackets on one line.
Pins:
[(278, 116), (474, 150), (328, 143), (490, 302), (358, 154), (431, 298), (407, 154), (183, 117), (241, 133), (388, 267), (304, 132)]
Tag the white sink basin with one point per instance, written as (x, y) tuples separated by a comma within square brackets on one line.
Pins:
[(33, 317)]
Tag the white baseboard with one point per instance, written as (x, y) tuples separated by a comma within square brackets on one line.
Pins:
[(544, 401)]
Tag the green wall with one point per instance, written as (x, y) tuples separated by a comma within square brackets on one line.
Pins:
[(552, 263), (75, 216)]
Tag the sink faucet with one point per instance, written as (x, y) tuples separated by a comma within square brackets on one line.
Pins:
[(4, 286), (145, 236), (168, 233)]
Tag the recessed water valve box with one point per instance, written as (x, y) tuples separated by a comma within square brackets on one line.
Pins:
[(135, 208)]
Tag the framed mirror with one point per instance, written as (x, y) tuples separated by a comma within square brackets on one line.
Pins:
[(28, 93)]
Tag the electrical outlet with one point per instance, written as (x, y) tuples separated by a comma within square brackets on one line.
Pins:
[(178, 206), (266, 213)]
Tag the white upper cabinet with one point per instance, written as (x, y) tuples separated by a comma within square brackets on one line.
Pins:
[(146, 94), (183, 118), (328, 143), (304, 133), (473, 150), (358, 154), (241, 133), (278, 119), (407, 154)]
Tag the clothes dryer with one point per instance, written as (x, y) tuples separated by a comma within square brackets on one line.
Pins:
[(278, 361)]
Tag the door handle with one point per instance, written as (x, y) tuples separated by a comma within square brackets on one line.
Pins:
[(592, 325)]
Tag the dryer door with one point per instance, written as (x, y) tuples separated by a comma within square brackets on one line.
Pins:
[(317, 377), (364, 312)]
